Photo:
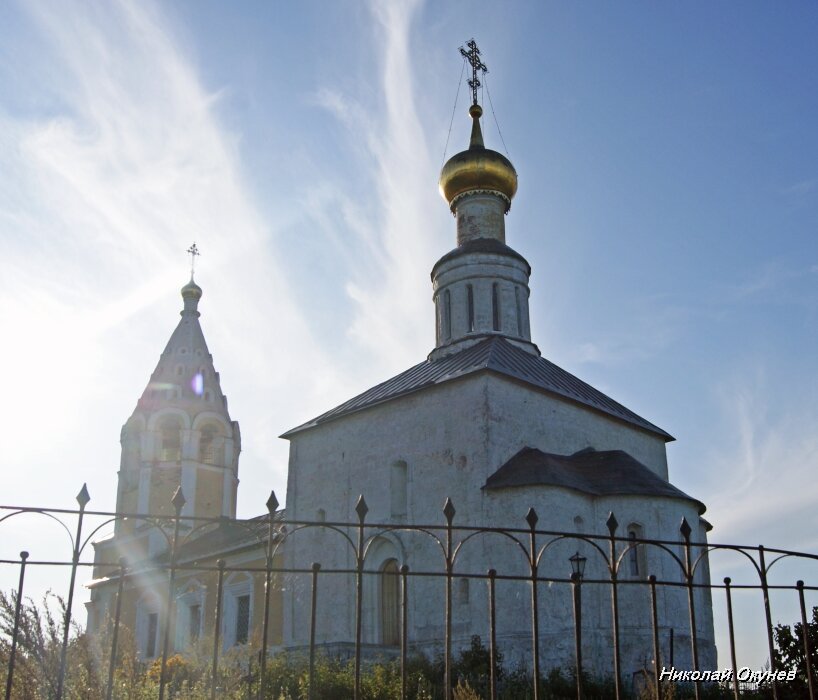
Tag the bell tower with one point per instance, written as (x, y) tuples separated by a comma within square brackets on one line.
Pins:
[(180, 433)]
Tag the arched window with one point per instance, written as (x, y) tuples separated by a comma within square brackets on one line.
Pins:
[(495, 306), (208, 450), (170, 431), (470, 301), (390, 606), (636, 554)]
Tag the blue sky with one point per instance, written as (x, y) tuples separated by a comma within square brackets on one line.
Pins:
[(668, 205)]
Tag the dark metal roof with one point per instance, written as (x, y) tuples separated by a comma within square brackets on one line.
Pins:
[(481, 245), (228, 535), (607, 473), (494, 354)]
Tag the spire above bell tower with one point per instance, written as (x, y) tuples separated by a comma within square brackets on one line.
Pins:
[(480, 287)]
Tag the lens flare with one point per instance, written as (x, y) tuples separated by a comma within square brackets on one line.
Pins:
[(197, 384)]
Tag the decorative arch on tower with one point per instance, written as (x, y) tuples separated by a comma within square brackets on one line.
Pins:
[(212, 431)]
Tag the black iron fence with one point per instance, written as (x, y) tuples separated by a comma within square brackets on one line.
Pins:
[(270, 534)]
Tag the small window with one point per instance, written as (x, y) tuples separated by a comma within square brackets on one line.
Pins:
[(519, 311), (153, 627), (633, 554), (321, 515), (194, 622), (463, 591), (447, 315), (636, 563), (183, 351), (495, 306), (242, 619), (470, 302), (178, 370)]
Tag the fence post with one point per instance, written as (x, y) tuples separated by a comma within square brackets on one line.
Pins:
[(768, 617), (576, 585), (613, 569), (404, 628), (17, 608), (449, 512), (732, 637), (361, 509), (316, 567), (685, 529), (178, 501), (492, 635), (217, 629), (82, 499), (654, 619), (272, 505), (532, 518), (117, 615), (805, 636)]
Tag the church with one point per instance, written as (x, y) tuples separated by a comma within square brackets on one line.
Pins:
[(484, 420)]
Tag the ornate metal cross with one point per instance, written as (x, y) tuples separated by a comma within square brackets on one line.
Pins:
[(473, 57), (193, 251)]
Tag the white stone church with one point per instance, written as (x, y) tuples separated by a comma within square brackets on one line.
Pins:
[(484, 420), (488, 422)]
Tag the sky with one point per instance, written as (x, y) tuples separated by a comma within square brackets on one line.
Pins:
[(668, 204)]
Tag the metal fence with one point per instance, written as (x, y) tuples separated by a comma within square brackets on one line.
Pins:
[(273, 531)]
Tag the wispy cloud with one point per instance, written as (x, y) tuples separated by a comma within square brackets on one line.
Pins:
[(393, 321), (763, 480), (641, 334), (802, 188), (106, 193)]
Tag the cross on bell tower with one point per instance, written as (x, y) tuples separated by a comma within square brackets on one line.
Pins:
[(193, 251), (473, 57)]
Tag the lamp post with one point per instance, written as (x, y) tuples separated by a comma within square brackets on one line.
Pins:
[(577, 572)]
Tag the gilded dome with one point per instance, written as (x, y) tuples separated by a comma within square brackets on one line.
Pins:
[(192, 291), (478, 168)]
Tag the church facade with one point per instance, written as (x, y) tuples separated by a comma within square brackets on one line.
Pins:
[(488, 422), (484, 420)]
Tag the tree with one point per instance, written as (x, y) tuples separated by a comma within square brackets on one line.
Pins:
[(789, 648)]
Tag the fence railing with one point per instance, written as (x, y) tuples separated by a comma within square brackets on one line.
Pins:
[(271, 533)]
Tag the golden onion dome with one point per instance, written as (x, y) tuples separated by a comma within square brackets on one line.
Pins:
[(191, 291), (478, 168)]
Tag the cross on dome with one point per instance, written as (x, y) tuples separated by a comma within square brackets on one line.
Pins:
[(193, 251), (473, 57)]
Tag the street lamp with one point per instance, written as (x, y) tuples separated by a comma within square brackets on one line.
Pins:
[(578, 565), (577, 572)]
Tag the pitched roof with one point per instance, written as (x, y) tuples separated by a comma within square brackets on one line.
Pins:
[(228, 535), (494, 354), (605, 473)]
